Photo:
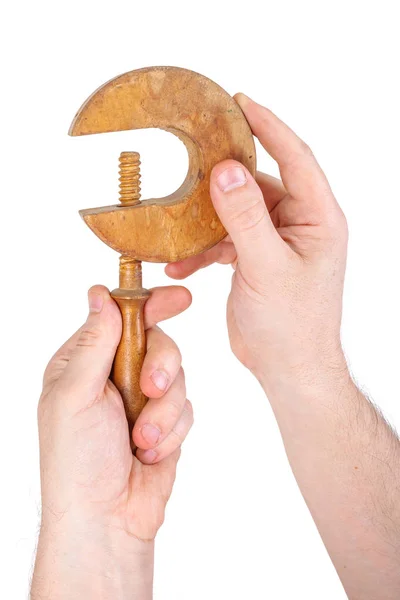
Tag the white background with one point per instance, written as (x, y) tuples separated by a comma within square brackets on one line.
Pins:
[(236, 526)]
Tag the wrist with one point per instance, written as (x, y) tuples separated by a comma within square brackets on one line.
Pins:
[(87, 560), (311, 373)]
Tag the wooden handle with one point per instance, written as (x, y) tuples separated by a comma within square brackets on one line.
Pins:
[(132, 348)]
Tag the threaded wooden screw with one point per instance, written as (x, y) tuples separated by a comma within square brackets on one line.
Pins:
[(130, 270), (129, 177)]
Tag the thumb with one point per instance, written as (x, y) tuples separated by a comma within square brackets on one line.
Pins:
[(240, 205), (90, 363)]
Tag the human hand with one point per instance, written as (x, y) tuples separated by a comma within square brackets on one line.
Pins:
[(287, 244), (98, 500)]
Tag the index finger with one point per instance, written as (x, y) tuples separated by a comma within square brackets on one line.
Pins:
[(164, 303), (301, 174)]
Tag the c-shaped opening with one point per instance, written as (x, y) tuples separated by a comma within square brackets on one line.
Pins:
[(195, 173)]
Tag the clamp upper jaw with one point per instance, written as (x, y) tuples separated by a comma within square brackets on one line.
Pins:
[(212, 127)]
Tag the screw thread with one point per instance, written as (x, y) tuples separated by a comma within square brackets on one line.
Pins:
[(129, 177)]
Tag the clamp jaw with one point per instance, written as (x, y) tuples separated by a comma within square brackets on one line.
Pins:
[(213, 128)]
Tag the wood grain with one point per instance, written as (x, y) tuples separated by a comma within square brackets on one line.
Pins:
[(128, 362), (213, 128), (210, 124)]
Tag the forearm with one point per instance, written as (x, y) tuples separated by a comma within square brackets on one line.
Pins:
[(346, 460), (91, 562)]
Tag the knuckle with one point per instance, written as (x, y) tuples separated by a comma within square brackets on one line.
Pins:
[(177, 353), (89, 336), (295, 161), (151, 334), (249, 215), (47, 373), (160, 343), (178, 453), (114, 319), (181, 374), (169, 345), (179, 438), (174, 403), (183, 426), (50, 367), (188, 409), (57, 362), (179, 434), (174, 407), (337, 229), (305, 149)]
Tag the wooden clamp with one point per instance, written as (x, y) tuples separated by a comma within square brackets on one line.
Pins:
[(213, 128)]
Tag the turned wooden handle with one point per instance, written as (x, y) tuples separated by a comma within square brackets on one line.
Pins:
[(131, 351)]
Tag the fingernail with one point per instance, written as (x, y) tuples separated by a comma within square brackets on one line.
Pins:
[(231, 178), (160, 379), (148, 456), (95, 302), (150, 433)]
